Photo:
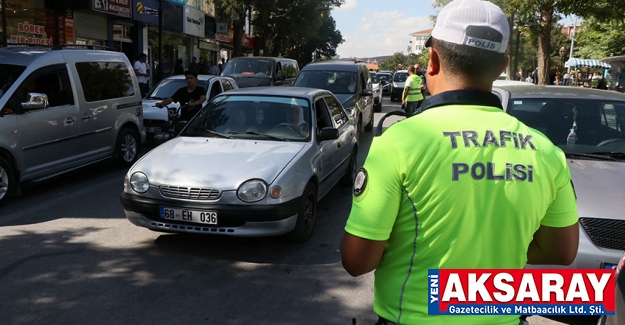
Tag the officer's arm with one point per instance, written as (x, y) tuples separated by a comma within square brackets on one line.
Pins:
[(406, 90), (557, 246), (361, 255)]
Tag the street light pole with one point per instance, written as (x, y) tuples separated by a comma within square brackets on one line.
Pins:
[(562, 52), (572, 43)]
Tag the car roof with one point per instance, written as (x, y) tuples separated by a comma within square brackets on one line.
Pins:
[(335, 65), (404, 71), (26, 55), (260, 58), (533, 91), (203, 77), (278, 91)]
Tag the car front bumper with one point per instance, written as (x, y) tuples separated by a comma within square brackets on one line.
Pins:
[(233, 220)]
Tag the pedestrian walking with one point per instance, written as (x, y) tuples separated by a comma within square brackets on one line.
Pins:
[(214, 70), (203, 66), (412, 92), (143, 73), (178, 68), (565, 79), (462, 185)]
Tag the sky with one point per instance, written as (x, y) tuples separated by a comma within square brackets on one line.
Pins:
[(382, 27)]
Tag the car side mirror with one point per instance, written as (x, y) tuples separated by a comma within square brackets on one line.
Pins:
[(367, 92), (35, 101), (328, 134), (281, 76)]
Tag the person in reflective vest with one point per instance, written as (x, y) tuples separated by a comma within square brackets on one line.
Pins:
[(412, 92)]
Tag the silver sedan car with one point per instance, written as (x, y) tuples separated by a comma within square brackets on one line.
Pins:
[(253, 162), (589, 126)]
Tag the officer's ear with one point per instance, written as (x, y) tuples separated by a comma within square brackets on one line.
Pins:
[(434, 64)]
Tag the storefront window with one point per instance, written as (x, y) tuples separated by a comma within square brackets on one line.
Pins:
[(26, 25)]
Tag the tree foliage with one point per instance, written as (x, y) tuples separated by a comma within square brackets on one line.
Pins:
[(396, 62), (601, 39), (538, 16)]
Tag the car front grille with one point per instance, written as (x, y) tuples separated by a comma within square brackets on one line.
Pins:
[(606, 233), (190, 193)]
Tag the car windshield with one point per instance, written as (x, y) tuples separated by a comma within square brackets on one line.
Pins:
[(167, 88), (338, 82), (8, 75), (575, 125), (272, 118), (254, 68), (384, 76), (374, 77), (400, 76)]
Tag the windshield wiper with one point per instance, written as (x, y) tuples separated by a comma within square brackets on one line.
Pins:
[(594, 155), (614, 154), (259, 134), (218, 134)]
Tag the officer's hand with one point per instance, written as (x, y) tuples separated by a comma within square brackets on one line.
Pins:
[(159, 105), (403, 102)]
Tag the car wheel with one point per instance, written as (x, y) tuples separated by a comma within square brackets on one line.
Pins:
[(6, 180), (126, 148), (369, 126), (306, 216), (348, 177)]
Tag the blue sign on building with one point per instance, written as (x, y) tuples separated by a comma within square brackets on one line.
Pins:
[(145, 11)]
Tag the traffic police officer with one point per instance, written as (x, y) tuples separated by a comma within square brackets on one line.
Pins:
[(460, 185), (412, 92)]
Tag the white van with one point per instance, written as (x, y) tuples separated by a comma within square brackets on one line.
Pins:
[(62, 109)]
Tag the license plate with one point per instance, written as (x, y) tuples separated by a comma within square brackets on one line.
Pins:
[(608, 266), (152, 129), (205, 217)]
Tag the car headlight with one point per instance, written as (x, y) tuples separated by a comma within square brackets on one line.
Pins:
[(139, 182), (253, 190)]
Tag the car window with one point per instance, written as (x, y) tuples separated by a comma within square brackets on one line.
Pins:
[(598, 124), (270, 118), (9, 73), (384, 76), (52, 81), (290, 69), (168, 87), (338, 82), (215, 89), (336, 111), (104, 80), (322, 116), (400, 77), (226, 85), (253, 68)]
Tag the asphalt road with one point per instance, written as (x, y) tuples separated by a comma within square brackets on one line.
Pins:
[(69, 256)]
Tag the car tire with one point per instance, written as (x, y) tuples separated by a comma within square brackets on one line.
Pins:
[(126, 148), (7, 178), (348, 178), (369, 126), (306, 216)]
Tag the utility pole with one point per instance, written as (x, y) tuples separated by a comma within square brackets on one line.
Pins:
[(572, 42), (160, 41)]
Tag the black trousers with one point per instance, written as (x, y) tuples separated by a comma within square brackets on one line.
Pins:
[(144, 89)]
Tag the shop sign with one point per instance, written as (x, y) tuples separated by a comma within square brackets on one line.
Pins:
[(66, 28), (225, 38), (248, 41), (38, 32), (210, 46), (113, 7), (222, 28), (145, 11), (193, 22), (172, 16)]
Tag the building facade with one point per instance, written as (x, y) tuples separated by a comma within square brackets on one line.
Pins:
[(417, 44)]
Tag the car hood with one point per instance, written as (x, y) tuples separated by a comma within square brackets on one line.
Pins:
[(598, 187), (246, 82), (154, 113), (216, 163), (347, 100)]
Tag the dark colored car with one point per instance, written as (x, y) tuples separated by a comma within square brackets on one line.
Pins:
[(349, 81), (386, 80), (261, 71), (397, 86)]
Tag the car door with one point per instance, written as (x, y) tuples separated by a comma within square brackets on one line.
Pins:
[(107, 88), (366, 102), (346, 131), (214, 88), (329, 150), (49, 137)]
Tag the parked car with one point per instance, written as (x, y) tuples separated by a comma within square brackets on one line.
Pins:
[(261, 71), (61, 109), (386, 79), (253, 162), (589, 126), (397, 87), (619, 316), (156, 119), (503, 76), (377, 91), (349, 82)]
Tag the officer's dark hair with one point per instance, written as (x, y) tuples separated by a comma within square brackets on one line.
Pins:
[(411, 69), (143, 55), (468, 62)]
